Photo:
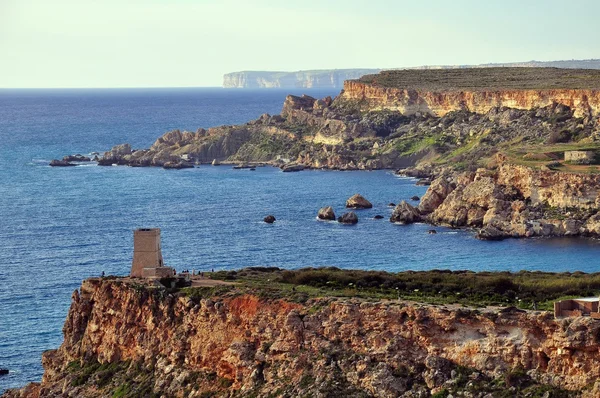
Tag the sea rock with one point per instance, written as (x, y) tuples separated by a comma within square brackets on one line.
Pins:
[(61, 163), (432, 232), (358, 202), (415, 198), (405, 213), (269, 219), (326, 213), (177, 165), (242, 166), (391, 204), (215, 162), (3, 371), (489, 232), (348, 218), (292, 168), (423, 182), (76, 158), (378, 217), (121, 150)]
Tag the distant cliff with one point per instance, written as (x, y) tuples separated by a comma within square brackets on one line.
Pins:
[(333, 78)]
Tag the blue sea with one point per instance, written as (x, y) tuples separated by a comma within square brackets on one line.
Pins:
[(61, 225)]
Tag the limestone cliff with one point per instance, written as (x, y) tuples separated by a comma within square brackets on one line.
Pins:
[(325, 78), (515, 201), (122, 338), (460, 90)]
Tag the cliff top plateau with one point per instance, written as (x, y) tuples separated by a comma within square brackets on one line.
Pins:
[(487, 79)]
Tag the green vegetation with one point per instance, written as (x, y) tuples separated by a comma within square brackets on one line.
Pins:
[(521, 289), (486, 79)]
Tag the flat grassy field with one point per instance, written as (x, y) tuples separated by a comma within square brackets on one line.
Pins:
[(525, 289), (487, 79)]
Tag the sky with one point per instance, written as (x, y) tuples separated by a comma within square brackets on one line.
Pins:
[(192, 43)]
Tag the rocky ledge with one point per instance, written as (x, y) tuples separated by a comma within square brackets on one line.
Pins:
[(510, 201), (126, 338)]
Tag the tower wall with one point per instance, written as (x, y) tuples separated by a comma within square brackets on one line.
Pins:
[(146, 251)]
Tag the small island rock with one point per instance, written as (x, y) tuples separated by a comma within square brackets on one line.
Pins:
[(326, 213), (60, 163), (405, 213), (3, 371), (432, 232), (348, 218), (391, 204), (358, 202), (378, 217), (415, 198), (269, 219), (76, 158), (215, 162)]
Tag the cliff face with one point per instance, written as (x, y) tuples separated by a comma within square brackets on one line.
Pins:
[(439, 103), (182, 346), (515, 201), (300, 79)]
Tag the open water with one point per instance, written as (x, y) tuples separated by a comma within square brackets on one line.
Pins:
[(61, 225)]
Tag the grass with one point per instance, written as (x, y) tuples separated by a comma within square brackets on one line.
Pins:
[(486, 79), (521, 289)]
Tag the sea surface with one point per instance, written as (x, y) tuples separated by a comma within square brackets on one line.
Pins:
[(61, 225)]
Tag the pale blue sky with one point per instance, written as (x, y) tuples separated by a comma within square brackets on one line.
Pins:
[(178, 43)]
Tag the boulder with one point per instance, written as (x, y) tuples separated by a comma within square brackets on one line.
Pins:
[(423, 182), (269, 219), (326, 213), (177, 165), (61, 163), (405, 213), (415, 198), (432, 232), (292, 167), (358, 202), (391, 204), (489, 232), (76, 158), (378, 217), (435, 195), (348, 218)]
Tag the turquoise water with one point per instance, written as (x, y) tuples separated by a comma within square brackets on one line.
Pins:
[(61, 225)]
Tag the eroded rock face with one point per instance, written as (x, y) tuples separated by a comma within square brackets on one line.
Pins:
[(515, 201), (326, 213), (357, 201), (383, 349)]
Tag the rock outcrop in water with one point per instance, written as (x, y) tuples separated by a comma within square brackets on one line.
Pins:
[(513, 201), (123, 338)]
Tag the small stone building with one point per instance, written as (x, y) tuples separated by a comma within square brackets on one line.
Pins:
[(147, 255), (580, 157), (577, 307)]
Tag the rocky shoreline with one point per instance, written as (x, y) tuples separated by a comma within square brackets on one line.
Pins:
[(494, 157)]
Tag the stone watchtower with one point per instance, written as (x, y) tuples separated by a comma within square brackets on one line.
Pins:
[(146, 251)]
